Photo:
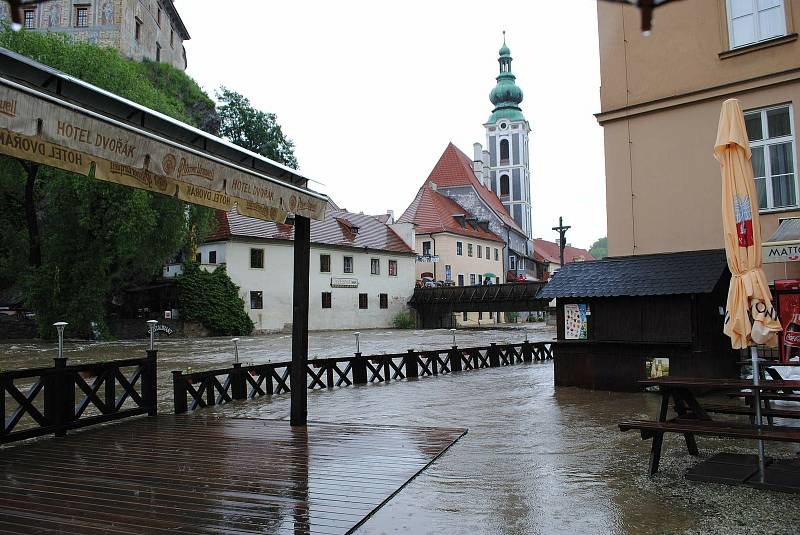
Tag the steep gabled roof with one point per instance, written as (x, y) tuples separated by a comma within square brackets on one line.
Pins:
[(340, 228), (548, 251), (454, 169), (690, 272), (430, 212)]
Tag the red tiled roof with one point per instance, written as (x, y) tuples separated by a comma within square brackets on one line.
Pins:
[(548, 251), (430, 212), (454, 169), (339, 228)]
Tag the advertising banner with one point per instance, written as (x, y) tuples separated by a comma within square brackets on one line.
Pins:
[(44, 132)]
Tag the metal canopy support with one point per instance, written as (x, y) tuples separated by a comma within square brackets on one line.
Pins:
[(302, 256)]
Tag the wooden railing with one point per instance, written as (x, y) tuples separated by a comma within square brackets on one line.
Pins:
[(213, 387), (53, 400)]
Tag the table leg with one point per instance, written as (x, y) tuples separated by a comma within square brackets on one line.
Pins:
[(655, 452), (684, 399)]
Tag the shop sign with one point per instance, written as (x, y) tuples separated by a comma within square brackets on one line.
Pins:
[(427, 258), (340, 282), (45, 132), (780, 253)]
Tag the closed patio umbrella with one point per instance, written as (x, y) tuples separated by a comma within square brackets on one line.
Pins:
[(749, 318)]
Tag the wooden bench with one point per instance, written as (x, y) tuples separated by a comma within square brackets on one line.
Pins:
[(655, 430), (750, 411)]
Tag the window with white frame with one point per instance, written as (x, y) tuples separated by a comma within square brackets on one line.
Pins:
[(751, 21), (771, 133), (375, 266)]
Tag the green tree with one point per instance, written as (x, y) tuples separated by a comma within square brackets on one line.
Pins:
[(75, 244), (599, 248), (253, 129)]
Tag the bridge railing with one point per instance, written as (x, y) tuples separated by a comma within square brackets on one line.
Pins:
[(201, 389), (43, 401), (520, 296)]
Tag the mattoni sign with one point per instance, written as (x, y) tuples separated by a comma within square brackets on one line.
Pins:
[(45, 131), (342, 282), (427, 258), (780, 252)]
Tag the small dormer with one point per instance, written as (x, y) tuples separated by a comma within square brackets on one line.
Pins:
[(461, 219), (484, 224), (473, 222)]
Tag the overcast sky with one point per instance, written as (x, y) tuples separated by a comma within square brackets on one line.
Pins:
[(371, 92)]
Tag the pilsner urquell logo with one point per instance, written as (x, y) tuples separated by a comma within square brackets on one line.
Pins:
[(744, 220), (184, 169)]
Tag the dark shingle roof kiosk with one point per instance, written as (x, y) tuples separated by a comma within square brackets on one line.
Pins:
[(616, 316), (54, 119)]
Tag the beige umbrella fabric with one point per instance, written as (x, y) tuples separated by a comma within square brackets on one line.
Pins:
[(748, 295)]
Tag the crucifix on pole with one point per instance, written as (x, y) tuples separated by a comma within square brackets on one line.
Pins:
[(562, 231)]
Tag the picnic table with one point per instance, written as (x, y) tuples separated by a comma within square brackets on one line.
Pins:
[(693, 418)]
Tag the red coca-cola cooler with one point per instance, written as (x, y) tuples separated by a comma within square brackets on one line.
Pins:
[(787, 293)]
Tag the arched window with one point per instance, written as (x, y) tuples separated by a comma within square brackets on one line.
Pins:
[(504, 185), (504, 150)]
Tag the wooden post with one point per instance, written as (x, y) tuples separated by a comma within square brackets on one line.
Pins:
[(412, 364), (62, 400), (494, 355), (527, 355), (238, 383), (302, 257), (179, 392), (150, 383), (359, 370), (455, 359)]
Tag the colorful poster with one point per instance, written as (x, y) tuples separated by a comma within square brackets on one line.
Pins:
[(575, 325), (656, 367)]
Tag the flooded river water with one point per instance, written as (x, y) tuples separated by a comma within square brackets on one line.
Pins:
[(537, 459)]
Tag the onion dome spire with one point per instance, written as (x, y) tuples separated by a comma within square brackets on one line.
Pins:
[(506, 95)]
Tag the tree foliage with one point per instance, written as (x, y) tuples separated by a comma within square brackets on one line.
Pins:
[(253, 129), (599, 248), (211, 298), (96, 239)]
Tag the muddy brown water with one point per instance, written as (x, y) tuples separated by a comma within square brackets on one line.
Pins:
[(537, 459)]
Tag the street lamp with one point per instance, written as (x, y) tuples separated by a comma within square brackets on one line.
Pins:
[(235, 350), (453, 332), (59, 325), (151, 327), (358, 345), (647, 7)]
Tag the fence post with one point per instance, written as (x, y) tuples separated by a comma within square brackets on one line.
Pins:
[(494, 355), (526, 352), (179, 392), (359, 370), (412, 364), (455, 359), (238, 383), (150, 383), (62, 400)]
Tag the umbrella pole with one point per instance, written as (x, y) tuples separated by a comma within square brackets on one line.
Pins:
[(757, 402)]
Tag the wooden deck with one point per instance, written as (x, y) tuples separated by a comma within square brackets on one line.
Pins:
[(199, 474)]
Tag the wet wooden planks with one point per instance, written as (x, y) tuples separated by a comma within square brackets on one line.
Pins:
[(203, 474)]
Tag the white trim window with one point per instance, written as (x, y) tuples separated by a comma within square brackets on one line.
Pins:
[(752, 21), (772, 144)]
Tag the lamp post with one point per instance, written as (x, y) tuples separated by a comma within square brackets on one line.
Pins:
[(59, 325), (453, 332), (151, 328), (235, 350), (358, 345)]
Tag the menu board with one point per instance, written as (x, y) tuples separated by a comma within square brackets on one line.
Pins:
[(575, 323)]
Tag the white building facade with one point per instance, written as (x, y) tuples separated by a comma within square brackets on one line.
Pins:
[(351, 286)]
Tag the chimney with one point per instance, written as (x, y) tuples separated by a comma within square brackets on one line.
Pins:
[(485, 155), (477, 163), (390, 219), (477, 151), (433, 186)]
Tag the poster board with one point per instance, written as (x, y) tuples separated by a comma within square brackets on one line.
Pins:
[(575, 321)]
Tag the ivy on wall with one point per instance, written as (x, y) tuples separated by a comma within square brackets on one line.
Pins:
[(212, 299)]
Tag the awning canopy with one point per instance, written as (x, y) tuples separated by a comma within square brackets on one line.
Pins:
[(784, 244), (54, 119)]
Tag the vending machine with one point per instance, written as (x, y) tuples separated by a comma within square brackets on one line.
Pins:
[(788, 304)]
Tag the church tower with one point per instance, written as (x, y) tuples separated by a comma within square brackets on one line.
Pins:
[(507, 172)]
